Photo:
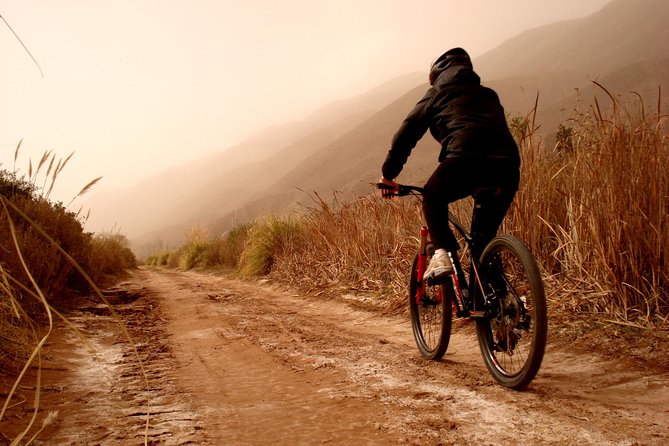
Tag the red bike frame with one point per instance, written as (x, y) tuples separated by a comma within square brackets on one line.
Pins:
[(459, 307)]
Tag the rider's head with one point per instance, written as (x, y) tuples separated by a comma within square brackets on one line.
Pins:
[(454, 56)]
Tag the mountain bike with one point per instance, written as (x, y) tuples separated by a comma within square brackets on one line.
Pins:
[(502, 292)]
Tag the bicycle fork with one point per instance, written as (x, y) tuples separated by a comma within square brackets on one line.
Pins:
[(422, 266)]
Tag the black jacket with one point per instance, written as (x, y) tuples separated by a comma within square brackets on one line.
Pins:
[(464, 116)]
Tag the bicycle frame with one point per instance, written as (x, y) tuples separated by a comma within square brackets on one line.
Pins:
[(465, 303), (463, 289), (510, 311)]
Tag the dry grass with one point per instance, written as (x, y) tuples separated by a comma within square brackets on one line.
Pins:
[(365, 246), (202, 251), (109, 254), (269, 240), (594, 215), (192, 252), (227, 250), (45, 257), (594, 210)]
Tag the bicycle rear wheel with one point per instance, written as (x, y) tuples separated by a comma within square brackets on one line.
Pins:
[(431, 316), (513, 338)]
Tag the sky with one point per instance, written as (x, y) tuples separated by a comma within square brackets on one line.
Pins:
[(135, 87)]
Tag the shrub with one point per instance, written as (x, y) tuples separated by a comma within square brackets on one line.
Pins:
[(109, 256), (228, 249), (192, 253), (268, 240), (50, 269)]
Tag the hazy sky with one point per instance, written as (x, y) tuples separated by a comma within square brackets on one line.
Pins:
[(137, 86)]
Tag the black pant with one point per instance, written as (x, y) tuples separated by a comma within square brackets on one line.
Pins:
[(493, 180)]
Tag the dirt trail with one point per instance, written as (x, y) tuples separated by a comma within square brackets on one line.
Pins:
[(230, 362)]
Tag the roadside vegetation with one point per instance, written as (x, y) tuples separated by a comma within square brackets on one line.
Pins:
[(47, 263), (593, 207)]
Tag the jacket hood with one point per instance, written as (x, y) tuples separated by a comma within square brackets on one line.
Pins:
[(455, 57)]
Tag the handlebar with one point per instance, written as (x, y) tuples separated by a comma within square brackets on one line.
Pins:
[(403, 189)]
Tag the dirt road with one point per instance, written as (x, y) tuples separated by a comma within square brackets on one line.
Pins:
[(235, 363)]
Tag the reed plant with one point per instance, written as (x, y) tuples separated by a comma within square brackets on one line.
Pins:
[(593, 209), (597, 213), (364, 246)]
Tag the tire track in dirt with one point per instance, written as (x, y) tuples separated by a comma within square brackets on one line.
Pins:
[(329, 348), (242, 363), (92, 379)]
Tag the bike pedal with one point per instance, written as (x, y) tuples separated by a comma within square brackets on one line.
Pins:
[(478, 314)]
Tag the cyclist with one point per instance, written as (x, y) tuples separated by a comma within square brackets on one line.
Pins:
[(478, 154)]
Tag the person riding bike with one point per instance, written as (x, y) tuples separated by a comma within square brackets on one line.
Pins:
[(478, 156)]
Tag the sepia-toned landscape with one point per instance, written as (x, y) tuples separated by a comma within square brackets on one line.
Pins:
[(258, 295)]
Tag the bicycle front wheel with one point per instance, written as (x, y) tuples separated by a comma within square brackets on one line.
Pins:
[(513, 338), (431, 315)]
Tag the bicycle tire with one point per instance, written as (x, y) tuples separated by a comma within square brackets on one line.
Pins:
[(430, 319), (513, 338)]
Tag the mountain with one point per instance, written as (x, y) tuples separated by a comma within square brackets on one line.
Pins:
[(215, 185), (622, 33), (624, 47)]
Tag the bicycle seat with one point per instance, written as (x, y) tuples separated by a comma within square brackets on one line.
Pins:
[(486, 192)]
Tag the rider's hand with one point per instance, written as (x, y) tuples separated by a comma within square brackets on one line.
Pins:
[(388, 193)]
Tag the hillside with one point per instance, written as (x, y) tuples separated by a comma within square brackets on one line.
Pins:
[(622, 33), (213, 186), (340, 147)]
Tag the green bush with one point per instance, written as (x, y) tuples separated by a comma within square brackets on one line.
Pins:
[(267, 240), (109, 255), (192, 255)]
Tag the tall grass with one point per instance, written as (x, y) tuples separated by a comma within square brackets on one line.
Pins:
[(365, 245), (268, 241), (227, 250), (45, 258), (192, 252), (594, 209), (201, 251), (597, 214)]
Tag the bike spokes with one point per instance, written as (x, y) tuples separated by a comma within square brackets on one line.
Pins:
[(430, 316), (513, 338)]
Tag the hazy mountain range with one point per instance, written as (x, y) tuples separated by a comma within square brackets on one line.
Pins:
[(625, 47)]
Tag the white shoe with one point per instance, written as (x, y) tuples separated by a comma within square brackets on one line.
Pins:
[(439, 266)]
